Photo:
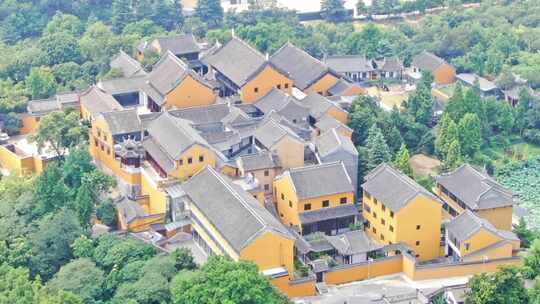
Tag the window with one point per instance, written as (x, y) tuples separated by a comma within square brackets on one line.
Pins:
[(256, 90), (375, 201), (307, 207), (266, 173), (104, 137), (190, 160), (279, 87), (367, 195), (417, 243), (374, 215), (181, 162), (374, 230), (391, 213), (417, 227), (282, 196), (201, 158), (366, 207), (290, 204), (281, 214), (343, 200), (467, 246), (108, 151), (102, 147), (383, 207), (96, 142), (325, 203), (382, 237), (391, 228), (266, 187), (286, 86), (367, 224), (383, 222)]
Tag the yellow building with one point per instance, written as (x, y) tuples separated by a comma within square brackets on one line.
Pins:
[(319, 106), (264, 166), (173, 84), (183, 46), (316, 198), (398, 210), (227, 220), (242, 70), (18, 154), (310, 75), (467, 188), (327, 123), (471, 238), (37, 109), (443, 73), (95, 101), (282, 141)]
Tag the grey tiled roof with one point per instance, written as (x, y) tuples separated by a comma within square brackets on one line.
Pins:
[(166, 74), (237, 60), (484, 84), (427, 61), (327, 122), (318, 104), (174, 135), (123, 85), (96, 101), (340, 87), (302, 68), (324, 214), (319, 180), (130, 210), (258, 161), (178, 45), (162, 158), (389, 64), (331, 141), (125, 63), (216, 113), (353, 242), (232, 211), (349, 63), (476, 189), (393, 188), (123, 121), (269, 132), (284, 104), (465, 225), (39, 106)]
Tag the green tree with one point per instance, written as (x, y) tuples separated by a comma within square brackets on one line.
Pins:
[(122, 14), (83, 247), (503, 286), (112, 252), (40, 83), (12, 123), (470, 134), (333, 10), (59, 47), (420, 104), (80, 277), (525, 235), (361, 8), (210, 12), (16, 286), (531, 265), (106, 213), (448, 132), (183, 259), (51, 193), (453, 157), (401, 161), (377, 149), (50, 243), (226, 280), (142, 28), (65, 23), (60, 130)]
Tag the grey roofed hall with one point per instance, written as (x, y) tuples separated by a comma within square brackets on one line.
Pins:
[(349, 63), (427, 61), (97, 101), (166, 75), (129, 210), (353, 242), (286, 105), (179, 45), (475, 189), (232, 211), (174, 135), (465, 225), (327, 122), (302, 68), (318, 105), (308, 217), (393, 188), (389, 64), (237, 60), (332, 141), (471, 79), (258, 161), (123, 121), (129, 66), (320, 180), (123, 85), (270, 132), (340, 87), (158, 154)]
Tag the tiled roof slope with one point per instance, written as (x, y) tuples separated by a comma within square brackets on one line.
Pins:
[(319, 180)]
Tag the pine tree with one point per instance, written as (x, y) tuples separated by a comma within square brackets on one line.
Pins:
[(210, 12), (84, 204), (401, 161), (453, 157), (448, 132), (377, 148), (122, 14), (334, 10), (470, 134)]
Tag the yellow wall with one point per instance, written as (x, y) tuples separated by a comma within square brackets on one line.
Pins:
[(264, 180), (501, 218), (353, 91), (265, 81), (29, 124), (270, 250), (322, 85), (189, 93), (291, 211), (478, 241), (186, 170), (364, 271), (445, 74), (419, 211), (14, 163), (157, 201), (501, 252), (339, 114), (229, 170), (291, 289), (290, 152), (141, 224)]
